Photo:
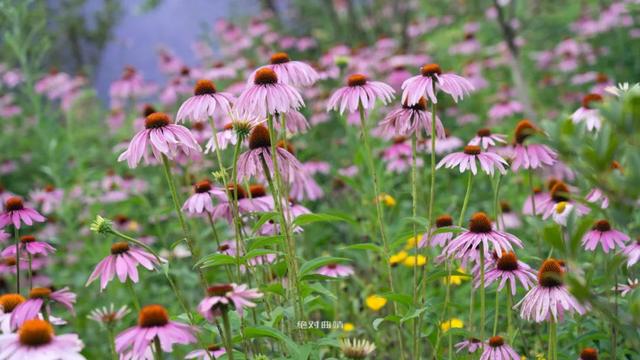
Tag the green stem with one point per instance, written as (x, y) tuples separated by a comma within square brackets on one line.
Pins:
[(112, 344), (134, 296), (509, 311), (183, 224), (30, 271), (533, 208), (379, 213), (17, 241), (227, 337), (414, 213), (45, 311), (482, 291), (495, 320), (158, 348)]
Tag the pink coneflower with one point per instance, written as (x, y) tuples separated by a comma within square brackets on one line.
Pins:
[(153, 323), (201, 200), (508, 219), (294, 122), (268, 96), (49, 198), (550, 298), (508, 268), (212, 351), (206, 102), (4, 193), (246, 205), (632, 251), (29, 244), (123, 261), (259, 156), (8, 302), (430, 81), (602, 233), (503, 109), (16, 213), (624, 289), (587, 114), (36, 340), (443, 146), (224, 295), (498, 350), (4, 236), (163, 137), (466, 160), (409, 120), (39, 297), (559, 204), (485, 139), (482, 233), (296, 73), (471, 345), (588, 354), (539, 197), (439, 239), (398, 156), (596, 196), (359, 92), (335, 270), (108, 316), (259, 195), (530, 156)]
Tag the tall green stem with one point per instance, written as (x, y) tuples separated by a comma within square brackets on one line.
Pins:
[(185, 229), (379, 213), (227, 331), (112, 343), (495, 320), (134, 296), (17, 241), (482, 291), (158, 349), (414, 213)]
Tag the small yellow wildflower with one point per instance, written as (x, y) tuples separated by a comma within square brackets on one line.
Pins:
[(133, 226), (413, 260), (348, 327), (454, 323), (411, 242), (398, 258), (376, 302), (387, 199), (455, 279)]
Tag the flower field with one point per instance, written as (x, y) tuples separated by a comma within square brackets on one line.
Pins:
[(327, 180)]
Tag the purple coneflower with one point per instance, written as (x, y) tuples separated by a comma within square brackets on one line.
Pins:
[(411, 119), (632, 251), (587, 114), (163, 137), (123, 261), (482, 233), (294, 121), (466, 160), (16, 213), (443, 146), (596, 196), (471, 345), (246, 205), (221, 296), (439, 239), (39, 297), (212, 351), (49, 198), (430, 80), (36, 340), (201, 200), (588, 354), (559, 204), (108, 315), (624, 289), (359, 91), (508, 268), (508, 218), (398, 156), (8, 302), (296, 73), (550, 298), (224, 137), (259, 156), (206, 102), (602, 233), (530, 156), (29, 244), (268, 96), (485, 139), (498, 350), (153, 323), (335, 270)]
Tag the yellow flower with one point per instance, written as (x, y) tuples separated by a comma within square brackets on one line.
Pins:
[(411, 242), (539, 356), (454, 323), (376, 302), (133, 226), (455, 279), (398, 258), (348, 327), (413, 260), (387, 199)]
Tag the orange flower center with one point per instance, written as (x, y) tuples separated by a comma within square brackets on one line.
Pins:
[(14, 203), (524, 129), (356, 80), (153, 315), (550, 273), (480, 223), (265, 76), (507, 262), (430, 70), (444, 221), (484, 132), (259, 137), (496, 341), (219, 290), (472, 150), (202, 186), (119, 248), (589, 354), (27, 239), (279, 58), (40, 293), (8, 302), (257, 190), (156, 120), (204, 87), (589, 99), (35, 333), (602, 226)]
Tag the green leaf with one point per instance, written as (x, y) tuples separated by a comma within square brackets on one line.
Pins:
[(251, 332), (262, 241), (215, 260), (364, 246), (259, 252), (312, 218), (391, 318), (404, 299)]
